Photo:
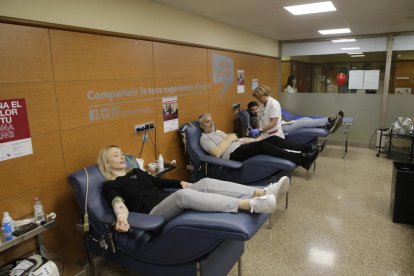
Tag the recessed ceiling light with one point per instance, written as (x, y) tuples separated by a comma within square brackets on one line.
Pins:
[(335, 31), (326, 6), (350, 48), (343, 40), (353, 56)]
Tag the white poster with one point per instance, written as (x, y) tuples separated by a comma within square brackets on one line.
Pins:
[(170, 113), (363, 79), (255, 84), (371, 79), (240, 81), (356, 79)]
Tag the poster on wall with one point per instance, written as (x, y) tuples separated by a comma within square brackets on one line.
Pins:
[(170, 113), (15, 138), (255, 84), (240, 81)]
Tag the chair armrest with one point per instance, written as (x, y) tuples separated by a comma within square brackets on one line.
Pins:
[(138, 221), (221, 162), (226, 226)]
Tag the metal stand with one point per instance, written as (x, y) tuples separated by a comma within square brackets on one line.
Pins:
[(89, 252), (239, 267), (347, 127)]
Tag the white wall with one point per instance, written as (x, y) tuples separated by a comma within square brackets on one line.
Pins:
[(140, 17)]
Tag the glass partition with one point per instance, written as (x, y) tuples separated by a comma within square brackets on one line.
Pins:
[(317, 65), (318, 73)]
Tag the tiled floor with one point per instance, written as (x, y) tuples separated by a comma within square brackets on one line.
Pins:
[(338, 223)]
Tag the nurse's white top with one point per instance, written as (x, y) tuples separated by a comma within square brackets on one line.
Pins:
[(290, 90), (271, 110)]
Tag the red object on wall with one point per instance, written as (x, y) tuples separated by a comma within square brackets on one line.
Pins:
[(341, 79), (14, 124)]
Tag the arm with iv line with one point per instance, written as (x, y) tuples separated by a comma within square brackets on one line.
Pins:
[(121, 212)]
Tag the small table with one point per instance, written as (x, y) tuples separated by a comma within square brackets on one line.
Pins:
[(36, 233), (159, 172)]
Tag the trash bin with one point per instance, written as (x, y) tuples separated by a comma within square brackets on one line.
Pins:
[(402, 193)]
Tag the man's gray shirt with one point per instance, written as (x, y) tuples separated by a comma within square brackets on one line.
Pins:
[(208, 141)]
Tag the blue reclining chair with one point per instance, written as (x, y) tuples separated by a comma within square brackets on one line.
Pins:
[(306, 135), (257, 170), (193, 242)]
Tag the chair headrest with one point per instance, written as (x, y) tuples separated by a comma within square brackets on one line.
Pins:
[(191, 132), (97, 204)]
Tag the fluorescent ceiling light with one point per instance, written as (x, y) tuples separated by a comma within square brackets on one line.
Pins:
[(351, 48), (343, 40), (355, 53), (352, 56), (335, 31), (326, 6)]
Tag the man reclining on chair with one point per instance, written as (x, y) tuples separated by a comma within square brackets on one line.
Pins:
[(139, 191), (332, 123), (229, 146)]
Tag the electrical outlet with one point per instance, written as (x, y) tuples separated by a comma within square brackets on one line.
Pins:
[(144, 126), (236, 105)]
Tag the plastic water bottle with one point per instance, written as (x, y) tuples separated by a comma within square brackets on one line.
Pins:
[(160, 162), (39, 215), (7, 225)]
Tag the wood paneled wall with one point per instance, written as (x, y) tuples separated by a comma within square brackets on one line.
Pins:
[(84, 91)]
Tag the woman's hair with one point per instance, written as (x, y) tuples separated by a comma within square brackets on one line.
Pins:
[(102, 161), (261, 90), (290, 80), (202, 118)]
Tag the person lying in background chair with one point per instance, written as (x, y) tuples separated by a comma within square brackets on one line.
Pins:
[(229, 146), (138, 191), (270, 116), (332, 123)]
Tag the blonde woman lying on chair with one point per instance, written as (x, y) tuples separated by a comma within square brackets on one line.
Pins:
[(138, 191)]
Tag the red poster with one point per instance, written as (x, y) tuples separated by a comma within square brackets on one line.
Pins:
[(15, 138)]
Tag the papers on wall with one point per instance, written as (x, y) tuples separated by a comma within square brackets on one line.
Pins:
[(356, 79), (363, 79), (371, 79), (403, 90), (240, 81), (170, 113), (255, 84)]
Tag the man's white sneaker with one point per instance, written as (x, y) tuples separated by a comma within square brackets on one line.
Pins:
[(279, 188), (263, 204)]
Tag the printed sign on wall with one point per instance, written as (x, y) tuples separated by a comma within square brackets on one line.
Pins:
[(170, 113), (15, 138), (240, 81), (255, 84)]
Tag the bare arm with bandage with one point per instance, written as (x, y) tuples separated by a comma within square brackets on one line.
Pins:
[(121, 212)]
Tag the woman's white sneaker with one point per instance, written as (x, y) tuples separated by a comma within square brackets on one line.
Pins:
[(279, 188), (263, 204)]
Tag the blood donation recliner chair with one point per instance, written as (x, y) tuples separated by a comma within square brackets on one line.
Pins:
[(193, 243), (257, 170), (306, 135)]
